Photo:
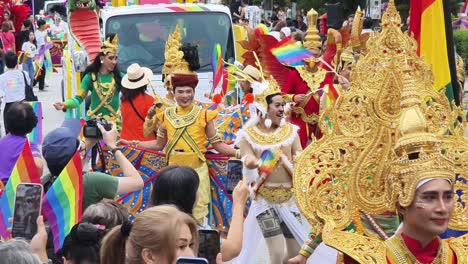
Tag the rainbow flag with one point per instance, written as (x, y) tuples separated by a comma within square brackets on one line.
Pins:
[(63, 201), (36, 135), (217, 65), (291, 53), (229, 87), (25, 171), (431, 26)]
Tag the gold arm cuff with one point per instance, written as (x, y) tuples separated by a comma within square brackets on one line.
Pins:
[(161, 133), (215, 139)]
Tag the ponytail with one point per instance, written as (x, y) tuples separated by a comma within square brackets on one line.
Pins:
[(113, 247)]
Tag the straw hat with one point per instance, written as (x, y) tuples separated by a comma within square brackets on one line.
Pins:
[(136, 76), (252, 72)]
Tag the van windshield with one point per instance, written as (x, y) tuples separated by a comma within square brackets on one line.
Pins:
[(142, 37)]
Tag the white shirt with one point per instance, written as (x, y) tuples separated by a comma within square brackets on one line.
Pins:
[(29, 48), (254, 15), (40, 37), (12, 85)]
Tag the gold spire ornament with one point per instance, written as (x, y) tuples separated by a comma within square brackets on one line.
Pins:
[(312, 40), (174, 56), (389, 127), (111, 46)]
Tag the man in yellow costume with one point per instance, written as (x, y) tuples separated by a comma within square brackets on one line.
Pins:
[(185, 128)]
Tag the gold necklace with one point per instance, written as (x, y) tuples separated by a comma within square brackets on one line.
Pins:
[(404, 255), (109, 87)]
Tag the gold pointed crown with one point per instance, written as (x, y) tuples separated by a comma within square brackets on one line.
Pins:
[(174, 56), (417, 152), (356, 29), (261, 90), (110, 46), (312, 40), (346, 57)]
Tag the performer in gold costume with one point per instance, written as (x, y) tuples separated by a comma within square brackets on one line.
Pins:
[(186, 128), (273, 212), (352, 164), (303, 84)]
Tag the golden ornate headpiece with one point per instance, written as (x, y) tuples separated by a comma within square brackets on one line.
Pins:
[(346, 57), (174, 56), (312, 40), (261, 90), (110, 46), (417, 153), (390, 115)]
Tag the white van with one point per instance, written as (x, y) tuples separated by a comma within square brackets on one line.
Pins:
[(143, 31)]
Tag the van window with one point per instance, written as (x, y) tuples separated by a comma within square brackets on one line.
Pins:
[(142, 37)]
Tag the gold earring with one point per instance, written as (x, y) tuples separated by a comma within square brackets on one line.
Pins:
[(102, 61)]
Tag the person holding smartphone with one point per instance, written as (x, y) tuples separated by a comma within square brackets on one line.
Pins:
[(273, 211), (178, 185)]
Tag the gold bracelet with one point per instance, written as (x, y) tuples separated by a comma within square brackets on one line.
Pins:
[(161, 133), (238, 154), (215, 139)]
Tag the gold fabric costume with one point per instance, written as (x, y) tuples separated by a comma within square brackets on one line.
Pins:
[(361, 162)]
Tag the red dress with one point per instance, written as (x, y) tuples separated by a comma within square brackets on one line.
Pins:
[(132, 124), (296, 85)]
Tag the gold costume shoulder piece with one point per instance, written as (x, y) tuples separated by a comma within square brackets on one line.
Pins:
[(179, 121), (365, 250), (348, 168), (312, 79), (460, 246), (284, 135)]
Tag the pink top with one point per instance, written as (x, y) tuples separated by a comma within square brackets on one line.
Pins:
[(8, 40)]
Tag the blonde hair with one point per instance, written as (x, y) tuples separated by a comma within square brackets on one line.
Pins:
[(156, 228)]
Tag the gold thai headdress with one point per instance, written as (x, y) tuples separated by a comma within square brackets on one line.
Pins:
[(349, 167), (346, 58), (263, 88), (417, 153), (110, 46), (174, 56), (312, 40)]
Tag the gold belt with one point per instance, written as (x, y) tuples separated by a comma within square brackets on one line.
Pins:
[(276, 194), (189, 159), (310, 119)]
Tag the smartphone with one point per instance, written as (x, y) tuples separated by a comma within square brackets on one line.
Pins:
[(28, 202), (209, 245), (1, 43), (183, 260), (234, 174)]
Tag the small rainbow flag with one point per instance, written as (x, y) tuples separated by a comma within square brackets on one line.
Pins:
[(25, 171), (63, 201), (229, 86), (291, 53), (267, 162), (36, 135), (22, 57), (217, 65)]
